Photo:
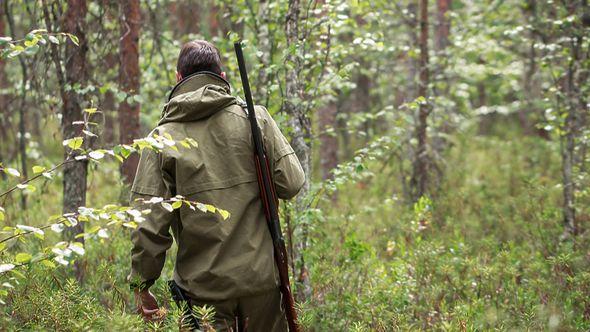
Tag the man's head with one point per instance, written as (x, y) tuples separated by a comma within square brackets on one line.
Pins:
[(196, 56)]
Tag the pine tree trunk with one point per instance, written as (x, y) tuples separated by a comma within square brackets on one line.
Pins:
[(420, 174), (301, 126), (76, 72), (129, 82)]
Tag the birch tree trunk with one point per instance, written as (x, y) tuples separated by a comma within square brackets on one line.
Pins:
[(300, 123), (129, 82)]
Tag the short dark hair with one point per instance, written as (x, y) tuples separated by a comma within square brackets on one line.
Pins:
[(196, 56)]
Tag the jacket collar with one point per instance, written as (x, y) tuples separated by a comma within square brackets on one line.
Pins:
[(196, 81)]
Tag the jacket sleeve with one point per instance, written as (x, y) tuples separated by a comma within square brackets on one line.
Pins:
[(288, 174), (151, 239)]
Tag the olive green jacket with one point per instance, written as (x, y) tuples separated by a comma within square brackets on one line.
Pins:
[(217, 259)]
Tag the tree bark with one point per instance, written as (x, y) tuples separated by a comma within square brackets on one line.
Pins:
[(301, 126), (411, 63), (328, 140), (109, 136), (568, 139), (420, 174), (188, 17), (107, 103), (129, 76), (265, 46), (444, 24), (76, 73), (4, 124), (22, 120)]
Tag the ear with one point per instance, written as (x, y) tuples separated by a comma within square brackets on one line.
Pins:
[(178, 77), (223, 75)]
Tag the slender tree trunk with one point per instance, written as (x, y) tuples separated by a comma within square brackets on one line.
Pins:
[(411, 63), (567, 169), (22, 126), (441, 42), (107, 103), (301, 126), (568, 140), (76, 72), (129, 82), (109, 136), (567, 145), (531, 84), (265, 46), (4, 124), (328, 139), (444, 24), (188, 17), (420, 176)]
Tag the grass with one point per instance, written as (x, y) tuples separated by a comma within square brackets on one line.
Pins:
[(483, 254)]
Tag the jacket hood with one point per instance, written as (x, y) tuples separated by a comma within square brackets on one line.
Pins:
[(197, 97)]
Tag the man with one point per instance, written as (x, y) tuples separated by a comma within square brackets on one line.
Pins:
[(225, 264)]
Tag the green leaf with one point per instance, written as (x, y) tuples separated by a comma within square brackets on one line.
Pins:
[(224, 214), (38, 169), (210, 208), (5, 40), (53, 39), (47, 263), (176, 204), (12, 171), (138, 99), (74, 39), (30, 43), (6, 267), (74, 143), (185, 144), (167, 206), (23, 257), (38, 31), (32, 50), (18, 274), (192, 142), (97, 155), (94, 229), (131, 224)]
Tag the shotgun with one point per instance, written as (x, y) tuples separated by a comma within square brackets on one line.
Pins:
[(179, 297), (269, 198)]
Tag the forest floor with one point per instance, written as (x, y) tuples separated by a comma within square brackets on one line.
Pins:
[(483, 254)]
